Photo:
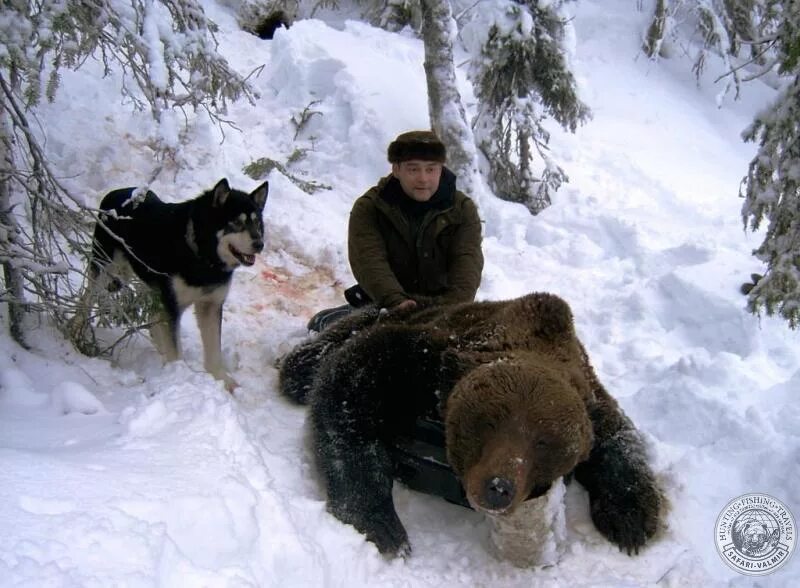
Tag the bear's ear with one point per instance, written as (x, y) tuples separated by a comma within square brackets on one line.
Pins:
[(550, 316)]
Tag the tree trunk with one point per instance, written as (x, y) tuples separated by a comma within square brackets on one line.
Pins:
[(448, 119), (13, 292), (655, 34)]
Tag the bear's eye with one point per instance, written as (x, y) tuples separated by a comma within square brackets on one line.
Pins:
[(541, 444)]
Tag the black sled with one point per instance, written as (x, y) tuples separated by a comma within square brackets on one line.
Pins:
[(421, 463)]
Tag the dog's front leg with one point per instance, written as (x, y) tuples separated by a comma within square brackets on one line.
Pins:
[(209, 321), (165, 333), (166, 330)]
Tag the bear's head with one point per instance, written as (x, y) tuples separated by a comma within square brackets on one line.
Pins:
[(513, 428)]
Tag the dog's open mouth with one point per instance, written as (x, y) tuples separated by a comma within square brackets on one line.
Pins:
[(244, 258)]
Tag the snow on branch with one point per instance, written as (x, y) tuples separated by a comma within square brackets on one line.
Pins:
[(165, 49)]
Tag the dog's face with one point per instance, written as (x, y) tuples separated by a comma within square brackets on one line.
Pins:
[(241, 236)]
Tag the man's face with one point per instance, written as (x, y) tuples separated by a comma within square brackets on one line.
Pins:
[(419, 179)]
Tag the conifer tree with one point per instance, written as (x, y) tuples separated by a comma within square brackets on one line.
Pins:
[(772, 186), (521, 77)]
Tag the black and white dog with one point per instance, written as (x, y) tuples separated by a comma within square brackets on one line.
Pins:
[(186, 252)]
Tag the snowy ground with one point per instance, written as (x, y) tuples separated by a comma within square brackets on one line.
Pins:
[(127, 473)]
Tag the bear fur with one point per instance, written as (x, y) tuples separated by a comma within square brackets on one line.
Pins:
[(521, 404)]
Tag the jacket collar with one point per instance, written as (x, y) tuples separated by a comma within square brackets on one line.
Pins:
[(391, 192)]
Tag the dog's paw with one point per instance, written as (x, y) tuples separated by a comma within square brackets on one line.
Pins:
[(230, 383), (226, 379)]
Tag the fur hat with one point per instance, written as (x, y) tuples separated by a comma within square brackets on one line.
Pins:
[(422, 145)]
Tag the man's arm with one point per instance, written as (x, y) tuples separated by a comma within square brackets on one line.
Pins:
[(366, 251), (464, 258)]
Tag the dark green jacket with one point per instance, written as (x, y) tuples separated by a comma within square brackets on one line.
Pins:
[(401, 249)]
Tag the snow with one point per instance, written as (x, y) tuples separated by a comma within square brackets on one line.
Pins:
[(131, 473)]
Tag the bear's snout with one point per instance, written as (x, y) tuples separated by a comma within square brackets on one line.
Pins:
[(498, 482), (498, 493)]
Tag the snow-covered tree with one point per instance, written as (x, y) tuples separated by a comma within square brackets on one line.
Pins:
[(730, 29), (12, 292), (772, 186), (522, 77), (42, 227), (445, 107)]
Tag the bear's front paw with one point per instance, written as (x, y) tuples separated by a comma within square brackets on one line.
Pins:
[(379, 523), (628, 518), (389, 535)]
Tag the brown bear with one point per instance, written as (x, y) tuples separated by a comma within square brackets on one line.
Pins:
[(521, 404)]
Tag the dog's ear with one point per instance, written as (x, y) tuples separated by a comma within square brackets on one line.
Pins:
[(220, 193), (259, 195)]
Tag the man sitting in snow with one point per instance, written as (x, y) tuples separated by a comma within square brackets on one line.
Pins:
[(412, 237)]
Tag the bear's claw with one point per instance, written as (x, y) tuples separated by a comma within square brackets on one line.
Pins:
[(628, 520), (389, 536)]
